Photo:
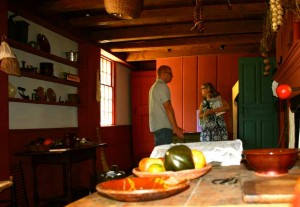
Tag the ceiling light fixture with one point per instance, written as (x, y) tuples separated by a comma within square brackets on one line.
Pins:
[(124, 9)]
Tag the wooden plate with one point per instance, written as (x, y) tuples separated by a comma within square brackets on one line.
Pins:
[(41, 94), (51, 95), (141, 188), (187, 174)]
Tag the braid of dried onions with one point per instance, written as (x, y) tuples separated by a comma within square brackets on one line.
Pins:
[(276, 14)]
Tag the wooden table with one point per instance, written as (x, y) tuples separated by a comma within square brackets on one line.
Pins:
[(202, 192), (65, 157)]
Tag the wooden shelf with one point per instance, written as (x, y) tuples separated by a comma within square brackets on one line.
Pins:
[(49, 79), (41, 53), (42, 102)]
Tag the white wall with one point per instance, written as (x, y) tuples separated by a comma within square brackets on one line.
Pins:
[(123, 101), (30, 116)]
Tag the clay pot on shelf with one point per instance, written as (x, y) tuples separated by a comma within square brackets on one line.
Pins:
[(11, 90), (46, 69)]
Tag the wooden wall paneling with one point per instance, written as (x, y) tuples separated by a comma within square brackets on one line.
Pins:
[(142, 139), (119, 147), (190, 93), (296, 30), (207, 72), (88, 114), (227, 76), (160, 62), (279, 47), (176, 88), (288, 33), (4, 149)]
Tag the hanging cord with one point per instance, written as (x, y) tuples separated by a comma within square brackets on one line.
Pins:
[(199, 24), (229, 4), (3, 38)]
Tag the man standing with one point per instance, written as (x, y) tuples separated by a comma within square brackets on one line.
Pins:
[(162, 121)]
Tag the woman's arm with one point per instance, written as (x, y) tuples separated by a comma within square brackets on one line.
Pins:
[(203, 113), (225, 107)]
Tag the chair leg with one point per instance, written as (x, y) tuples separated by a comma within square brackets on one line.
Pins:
[(13, 193)]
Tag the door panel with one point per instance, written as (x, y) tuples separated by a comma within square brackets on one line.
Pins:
[(143, 141), (257, 107), (189, 94)]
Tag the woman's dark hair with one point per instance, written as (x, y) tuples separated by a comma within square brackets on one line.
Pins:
[(212, 89)]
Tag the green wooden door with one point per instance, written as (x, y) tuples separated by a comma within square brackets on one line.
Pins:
[(257, 107)]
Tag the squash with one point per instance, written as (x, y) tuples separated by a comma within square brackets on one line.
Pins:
[(178, 157)]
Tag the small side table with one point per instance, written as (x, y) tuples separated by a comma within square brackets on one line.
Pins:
[(65, 157)]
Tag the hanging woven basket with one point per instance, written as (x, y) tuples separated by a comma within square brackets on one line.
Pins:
[(124, 9)]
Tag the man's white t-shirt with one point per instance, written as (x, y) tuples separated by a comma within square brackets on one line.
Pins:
[(159, 94)]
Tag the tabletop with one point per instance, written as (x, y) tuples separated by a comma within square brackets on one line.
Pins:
[(61, 150), (202, 191)]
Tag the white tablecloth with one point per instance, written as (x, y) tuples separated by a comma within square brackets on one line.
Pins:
[(226, 152)]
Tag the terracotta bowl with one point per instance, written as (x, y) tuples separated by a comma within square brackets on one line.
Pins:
[(135, 189), (271, 162)]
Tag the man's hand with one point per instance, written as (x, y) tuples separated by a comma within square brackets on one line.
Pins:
[(179, 132)]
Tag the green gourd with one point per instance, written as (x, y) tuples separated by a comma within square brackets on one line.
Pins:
[(178, 157)]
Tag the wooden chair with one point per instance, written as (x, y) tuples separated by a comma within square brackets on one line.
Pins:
[(102, 153), (20, 193), (8, 185)]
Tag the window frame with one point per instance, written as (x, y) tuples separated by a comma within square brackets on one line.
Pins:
[(112, 86)]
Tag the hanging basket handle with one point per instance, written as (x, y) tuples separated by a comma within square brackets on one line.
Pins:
[(5, 51)]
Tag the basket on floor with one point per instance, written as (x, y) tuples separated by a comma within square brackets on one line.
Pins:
[(124, 9)]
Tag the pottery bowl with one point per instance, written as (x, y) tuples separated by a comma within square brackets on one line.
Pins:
[(271, 162)]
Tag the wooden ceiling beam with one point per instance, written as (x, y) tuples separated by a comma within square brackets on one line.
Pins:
[(175, 15), (192, 51), (78, 5), (175, 31), (183, 42), (70, 6)]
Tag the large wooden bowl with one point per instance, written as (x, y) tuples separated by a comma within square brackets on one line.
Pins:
[(271, 162), (142, 189)]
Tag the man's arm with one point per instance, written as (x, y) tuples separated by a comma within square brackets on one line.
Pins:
[(171, 116)]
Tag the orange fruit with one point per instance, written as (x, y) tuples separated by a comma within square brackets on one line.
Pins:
[(155, 168), (199, 159), (145, 163)]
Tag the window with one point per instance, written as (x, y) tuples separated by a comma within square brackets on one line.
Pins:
[(107, 91)]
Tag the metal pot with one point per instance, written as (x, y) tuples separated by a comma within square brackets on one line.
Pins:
[(72, 56)]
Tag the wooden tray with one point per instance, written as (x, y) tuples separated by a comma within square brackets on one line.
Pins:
[(269, 190)]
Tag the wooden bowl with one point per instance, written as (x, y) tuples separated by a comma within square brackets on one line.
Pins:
[(187, 174), (271, 162), (135, 189)]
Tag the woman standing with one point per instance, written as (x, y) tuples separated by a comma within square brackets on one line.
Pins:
[(211, 111)]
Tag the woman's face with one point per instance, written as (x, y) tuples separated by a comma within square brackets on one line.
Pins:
[(204, 90)]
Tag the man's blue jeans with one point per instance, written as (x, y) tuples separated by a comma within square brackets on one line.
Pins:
[(163, 136)]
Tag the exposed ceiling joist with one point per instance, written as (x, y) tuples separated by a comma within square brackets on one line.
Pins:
[(163, 29)]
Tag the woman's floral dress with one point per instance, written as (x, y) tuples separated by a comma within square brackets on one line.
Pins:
[(213, 126)]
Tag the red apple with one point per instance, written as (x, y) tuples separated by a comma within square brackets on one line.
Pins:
[(284, 91)]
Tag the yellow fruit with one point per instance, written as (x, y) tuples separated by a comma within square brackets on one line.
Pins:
[(199, 159), (155, 168), (145, 163)]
